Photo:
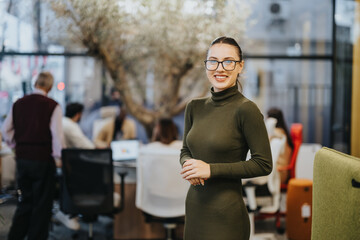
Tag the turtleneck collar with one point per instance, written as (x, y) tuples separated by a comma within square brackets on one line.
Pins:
[(221, 97)]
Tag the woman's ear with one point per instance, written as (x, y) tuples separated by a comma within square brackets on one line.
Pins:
[(241, 65)]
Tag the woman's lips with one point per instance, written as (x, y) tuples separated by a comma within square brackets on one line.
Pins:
[(220, 78)]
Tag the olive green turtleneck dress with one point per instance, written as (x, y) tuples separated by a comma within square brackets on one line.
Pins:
[(220, 130)]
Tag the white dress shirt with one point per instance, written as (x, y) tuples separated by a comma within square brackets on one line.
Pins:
[(74, 136)]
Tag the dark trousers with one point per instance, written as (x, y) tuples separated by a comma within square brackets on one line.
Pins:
[(36, 181)]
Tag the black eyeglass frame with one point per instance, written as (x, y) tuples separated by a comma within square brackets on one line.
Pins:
[(222, 64)]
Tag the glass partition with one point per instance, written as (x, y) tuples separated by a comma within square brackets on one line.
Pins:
[(292, 28), (291, 62), (300, 88)]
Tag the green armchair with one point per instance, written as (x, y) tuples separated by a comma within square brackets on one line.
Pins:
[(336, 196)]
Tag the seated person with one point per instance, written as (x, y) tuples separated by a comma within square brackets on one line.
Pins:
[(280, 131), (73, 135), (73, 138), (165, 132), (160, 189), (120, 128), (165, 136)]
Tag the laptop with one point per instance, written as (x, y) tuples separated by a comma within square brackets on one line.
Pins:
[(125, 150)]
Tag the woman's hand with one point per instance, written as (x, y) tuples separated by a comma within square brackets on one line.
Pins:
[(195, 170), (196, 181)]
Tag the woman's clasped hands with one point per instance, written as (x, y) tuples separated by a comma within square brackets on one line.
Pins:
[(195, 171)]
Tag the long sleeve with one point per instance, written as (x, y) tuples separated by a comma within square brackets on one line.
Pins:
[(185, 152), (219, 130), (251, 123), (80, 140), (104, 137), (129, 129), (57, 132), (74, 136)]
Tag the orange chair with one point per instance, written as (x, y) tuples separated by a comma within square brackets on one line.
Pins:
[(298, 208), (296, 133)]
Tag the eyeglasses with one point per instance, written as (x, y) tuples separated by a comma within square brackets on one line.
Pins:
[(228, 65)]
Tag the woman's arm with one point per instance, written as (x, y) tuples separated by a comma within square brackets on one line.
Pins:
[(185, 151), (185, 154), (129, 129), (103, 138), (251, 123)]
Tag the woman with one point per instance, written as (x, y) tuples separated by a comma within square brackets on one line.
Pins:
[(280, 131), (165, 133), (218, 133), (121, 128)]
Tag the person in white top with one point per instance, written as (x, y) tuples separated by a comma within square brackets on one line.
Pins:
[(73, 135), (160, 190), (165, 132), (73, 138)]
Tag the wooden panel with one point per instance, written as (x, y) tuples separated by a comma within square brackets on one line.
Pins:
[(355, 110), (130, 223)]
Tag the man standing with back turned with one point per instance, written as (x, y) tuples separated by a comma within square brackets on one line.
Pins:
[(34, 126)]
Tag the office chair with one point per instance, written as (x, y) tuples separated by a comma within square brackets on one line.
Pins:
[(160, 190), (296, 133), (87, 187), (305, 160), (336, 196), (265, 198)]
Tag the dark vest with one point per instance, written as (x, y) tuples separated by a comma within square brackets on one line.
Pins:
[(31, 119)]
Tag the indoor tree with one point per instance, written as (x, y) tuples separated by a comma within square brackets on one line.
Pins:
[(152, 44)]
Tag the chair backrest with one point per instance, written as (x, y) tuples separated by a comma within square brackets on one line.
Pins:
[(87, 182), (336, 196), (305, 160), (296, 133), (270, 124), (273, 180), (277, 146), (160, 189)]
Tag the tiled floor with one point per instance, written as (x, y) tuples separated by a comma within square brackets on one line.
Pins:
[(103, 228)]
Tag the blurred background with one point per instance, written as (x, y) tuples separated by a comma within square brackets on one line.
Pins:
[(298, 56), (302, 57)]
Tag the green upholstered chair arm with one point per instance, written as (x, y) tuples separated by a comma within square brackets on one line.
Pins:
[(336, 196)]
